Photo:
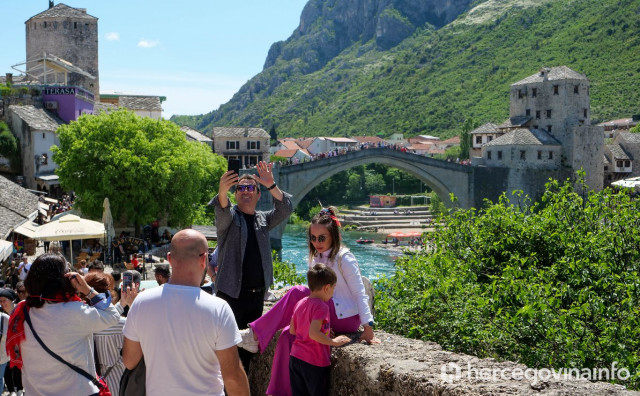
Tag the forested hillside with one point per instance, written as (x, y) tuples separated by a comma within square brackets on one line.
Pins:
[(437, 77)]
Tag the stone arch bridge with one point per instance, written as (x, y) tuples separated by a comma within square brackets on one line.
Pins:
[(469, 184)]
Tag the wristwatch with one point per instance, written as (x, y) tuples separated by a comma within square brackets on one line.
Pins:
[(371, 323), (271, 187)]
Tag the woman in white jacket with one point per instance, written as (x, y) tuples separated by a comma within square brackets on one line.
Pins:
[(349, 307)]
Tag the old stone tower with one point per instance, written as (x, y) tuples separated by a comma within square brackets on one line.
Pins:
[(556, 100), (68, 33)]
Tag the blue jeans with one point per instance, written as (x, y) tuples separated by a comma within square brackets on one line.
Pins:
[(3, 366)]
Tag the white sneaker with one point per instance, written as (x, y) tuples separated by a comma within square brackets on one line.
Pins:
[(270, 297), (248, 342)]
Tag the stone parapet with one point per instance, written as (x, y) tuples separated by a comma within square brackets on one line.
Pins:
[(406, 367)]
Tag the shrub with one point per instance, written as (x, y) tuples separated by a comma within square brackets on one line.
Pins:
[(284, 274), (549, 284)]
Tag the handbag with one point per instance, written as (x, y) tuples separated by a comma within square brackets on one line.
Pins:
[(132, 382), (97, 381)]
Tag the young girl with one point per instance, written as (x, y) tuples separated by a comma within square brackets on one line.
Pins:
[(348, 309)]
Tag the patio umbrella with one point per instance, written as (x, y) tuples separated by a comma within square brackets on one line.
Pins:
[(69, 227), (107, 220), (413, 234), (397, 234)]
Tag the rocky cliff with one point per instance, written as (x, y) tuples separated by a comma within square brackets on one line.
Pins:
[(328, 27), (356, 67)]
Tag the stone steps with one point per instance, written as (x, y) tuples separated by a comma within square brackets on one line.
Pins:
[(385, 218)]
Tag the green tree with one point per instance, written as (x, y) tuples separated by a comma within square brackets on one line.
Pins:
[(549, 284), (10, 147), (146, 168), (273, 135), (635, 129), (374, 183), (465, 137)]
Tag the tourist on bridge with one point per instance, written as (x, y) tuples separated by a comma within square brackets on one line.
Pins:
[(349, 308)]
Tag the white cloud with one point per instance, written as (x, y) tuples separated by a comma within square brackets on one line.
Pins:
[(113, 36), (144, 43)]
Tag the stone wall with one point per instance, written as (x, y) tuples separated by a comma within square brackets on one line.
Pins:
[(406, 367)]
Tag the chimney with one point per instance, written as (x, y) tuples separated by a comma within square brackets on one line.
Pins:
[(9, 79), (544, 72)]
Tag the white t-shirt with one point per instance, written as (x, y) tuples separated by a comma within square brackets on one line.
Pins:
[(179, 329), (24, 269)]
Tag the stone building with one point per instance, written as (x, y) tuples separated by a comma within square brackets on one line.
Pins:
[(626, 146), (36, 129), (67, 33), (524, 148), (620, 125), (617, 163), (481, 136), (249, 145), (195, 136), (143, 105), (326, 144), (549, 128)]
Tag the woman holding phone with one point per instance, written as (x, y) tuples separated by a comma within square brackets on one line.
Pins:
[(64, 323)]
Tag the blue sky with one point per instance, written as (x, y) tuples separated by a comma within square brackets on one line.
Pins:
[(197, 53)]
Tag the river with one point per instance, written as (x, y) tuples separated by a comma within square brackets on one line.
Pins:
[(374, 260)]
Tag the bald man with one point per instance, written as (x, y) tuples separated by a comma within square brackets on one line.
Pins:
[(188, 337)]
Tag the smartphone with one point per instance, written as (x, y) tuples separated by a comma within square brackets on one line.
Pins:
[(127, 280), (234, 165)]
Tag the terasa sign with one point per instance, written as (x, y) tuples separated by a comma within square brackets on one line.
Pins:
[(60, 91)]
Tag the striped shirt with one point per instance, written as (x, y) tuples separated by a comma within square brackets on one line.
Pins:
[(108, 346)]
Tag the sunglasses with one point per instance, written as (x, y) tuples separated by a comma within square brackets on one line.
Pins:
[(246, 187), (320, 238)]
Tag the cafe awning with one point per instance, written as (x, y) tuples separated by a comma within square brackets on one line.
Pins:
[(6, 248), (27, 229), (49, 180)]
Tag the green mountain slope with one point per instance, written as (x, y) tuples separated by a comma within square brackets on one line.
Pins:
[(436, 78)]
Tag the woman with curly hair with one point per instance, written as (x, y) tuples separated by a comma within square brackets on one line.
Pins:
[(65, 325)]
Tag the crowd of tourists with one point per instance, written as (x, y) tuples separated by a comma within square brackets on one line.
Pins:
[(348, 149), (68, 331)]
